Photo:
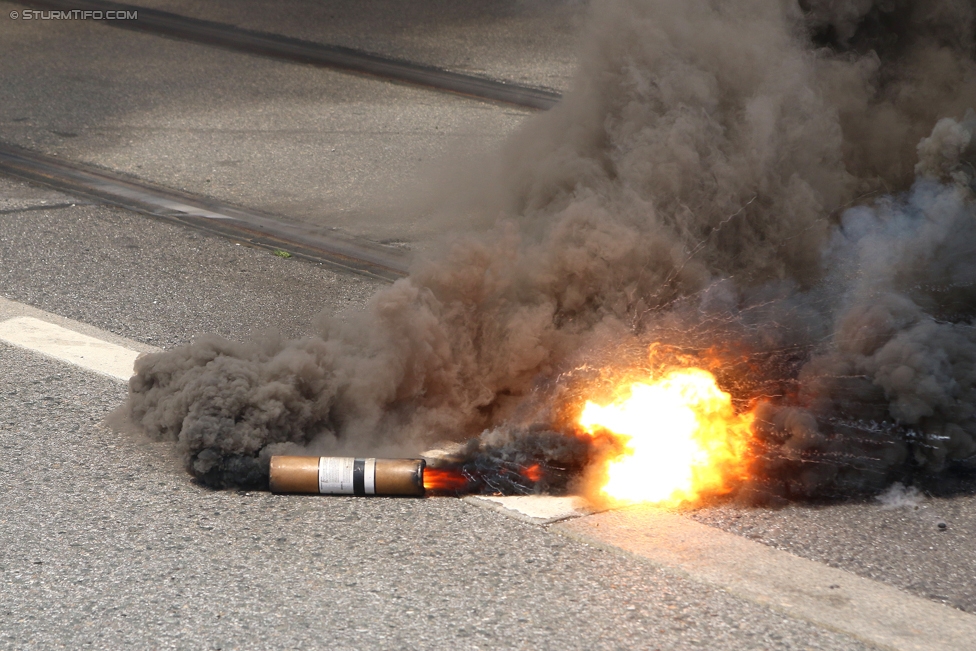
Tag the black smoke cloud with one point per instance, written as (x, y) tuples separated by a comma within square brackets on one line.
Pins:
[(780, 191)]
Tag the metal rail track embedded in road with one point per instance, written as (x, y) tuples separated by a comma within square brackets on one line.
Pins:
[(264, 230), (292, 49)]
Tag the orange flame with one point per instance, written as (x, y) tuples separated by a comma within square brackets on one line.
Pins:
[(444, 479), (682, 440)]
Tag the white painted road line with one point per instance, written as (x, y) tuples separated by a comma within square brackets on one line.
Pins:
[(69, 340), (834, 599), (534, 509), (69, 346)]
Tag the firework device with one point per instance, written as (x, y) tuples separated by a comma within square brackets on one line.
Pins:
[(347, 475)]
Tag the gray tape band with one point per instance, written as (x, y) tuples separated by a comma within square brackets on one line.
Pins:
[(370, 477)]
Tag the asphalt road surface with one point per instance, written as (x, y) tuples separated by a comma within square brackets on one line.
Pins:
[(311, 144), (533, 43), (105, 542)]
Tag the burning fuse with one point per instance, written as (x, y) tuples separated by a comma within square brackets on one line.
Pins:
[(347, 475)]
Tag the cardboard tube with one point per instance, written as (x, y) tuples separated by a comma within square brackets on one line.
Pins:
[(294, 474), (400, 476), (347, 475)]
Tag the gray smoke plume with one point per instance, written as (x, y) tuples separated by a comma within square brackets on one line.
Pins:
[(779, 191)]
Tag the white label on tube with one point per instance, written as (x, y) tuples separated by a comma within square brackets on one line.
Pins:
[(335, 475), (369, 477)]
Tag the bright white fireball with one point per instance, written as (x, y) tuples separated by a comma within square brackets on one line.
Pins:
[(682, 439)]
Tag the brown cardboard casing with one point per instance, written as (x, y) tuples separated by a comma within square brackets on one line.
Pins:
[(400, 476), (294, 474)]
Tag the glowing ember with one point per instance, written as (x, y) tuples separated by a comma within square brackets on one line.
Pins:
[(682, 439), (533, 472)]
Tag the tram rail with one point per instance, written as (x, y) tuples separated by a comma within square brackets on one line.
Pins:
[(202, 213), (280, 47)]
